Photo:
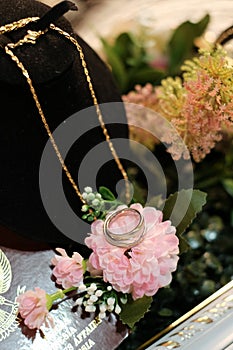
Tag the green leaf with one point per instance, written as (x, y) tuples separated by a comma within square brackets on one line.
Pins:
[(196, 200), (106, 194), (134, 310), (228, 185), (182, 42), (145, 75), (165, 312), (116, 63), (90, 218), (123, 45), (129, 50), (201, 26)]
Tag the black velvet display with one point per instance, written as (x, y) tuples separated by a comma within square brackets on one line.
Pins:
[(55, 68)]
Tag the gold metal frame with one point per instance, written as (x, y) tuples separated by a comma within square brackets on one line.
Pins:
[(187, 315)]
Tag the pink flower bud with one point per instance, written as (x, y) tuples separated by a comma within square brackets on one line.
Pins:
[(68, 271), (33, 308)]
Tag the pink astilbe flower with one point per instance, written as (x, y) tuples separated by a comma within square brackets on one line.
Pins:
[(33, 308), (208, 107), (141, 123), (144, 268), (68, 271), (203, 115), (160, 121), (200, 107), (143, 95)]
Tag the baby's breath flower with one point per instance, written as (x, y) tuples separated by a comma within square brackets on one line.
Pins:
[(88, 189), (110, 308), (103, 307), (102, 315), (93, 286), (84, 195), (85, 208), (99, 293), (91, 290), (89, 302), (109, 288), (82, 288), (117, 309), (90, 197), (93, 298), (79, 302), (124, 299), (111, 301), (95, 202), (90, 308)]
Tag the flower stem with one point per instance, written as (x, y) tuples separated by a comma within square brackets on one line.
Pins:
[(59, 294), (69, 290)]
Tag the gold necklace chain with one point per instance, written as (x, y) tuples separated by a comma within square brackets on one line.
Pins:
[(9, 27), (30, 38)]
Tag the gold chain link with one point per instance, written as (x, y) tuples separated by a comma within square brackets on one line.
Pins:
[(17, 24), (30, 38), (98, 112), (38, 105)]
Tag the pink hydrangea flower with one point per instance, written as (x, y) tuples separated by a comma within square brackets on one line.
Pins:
[(144, 268), (68, 271), (33, 308)]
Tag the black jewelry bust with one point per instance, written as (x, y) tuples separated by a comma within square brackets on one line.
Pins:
[(58, 77)]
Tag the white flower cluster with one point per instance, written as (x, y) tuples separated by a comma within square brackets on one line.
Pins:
[(93, 199), (97, 300)]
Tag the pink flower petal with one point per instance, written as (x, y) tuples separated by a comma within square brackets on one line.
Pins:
[(144, 268)]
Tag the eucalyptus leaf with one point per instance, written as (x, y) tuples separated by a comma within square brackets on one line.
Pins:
[(106, 194), (196, 200), (134, 310)]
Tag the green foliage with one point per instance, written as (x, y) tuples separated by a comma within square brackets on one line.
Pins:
[(201, 271), (181, 44), (98, 203), (106, 194), (208, 265), (129, 63), (195, 199), (228, 185), (134, 310)]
